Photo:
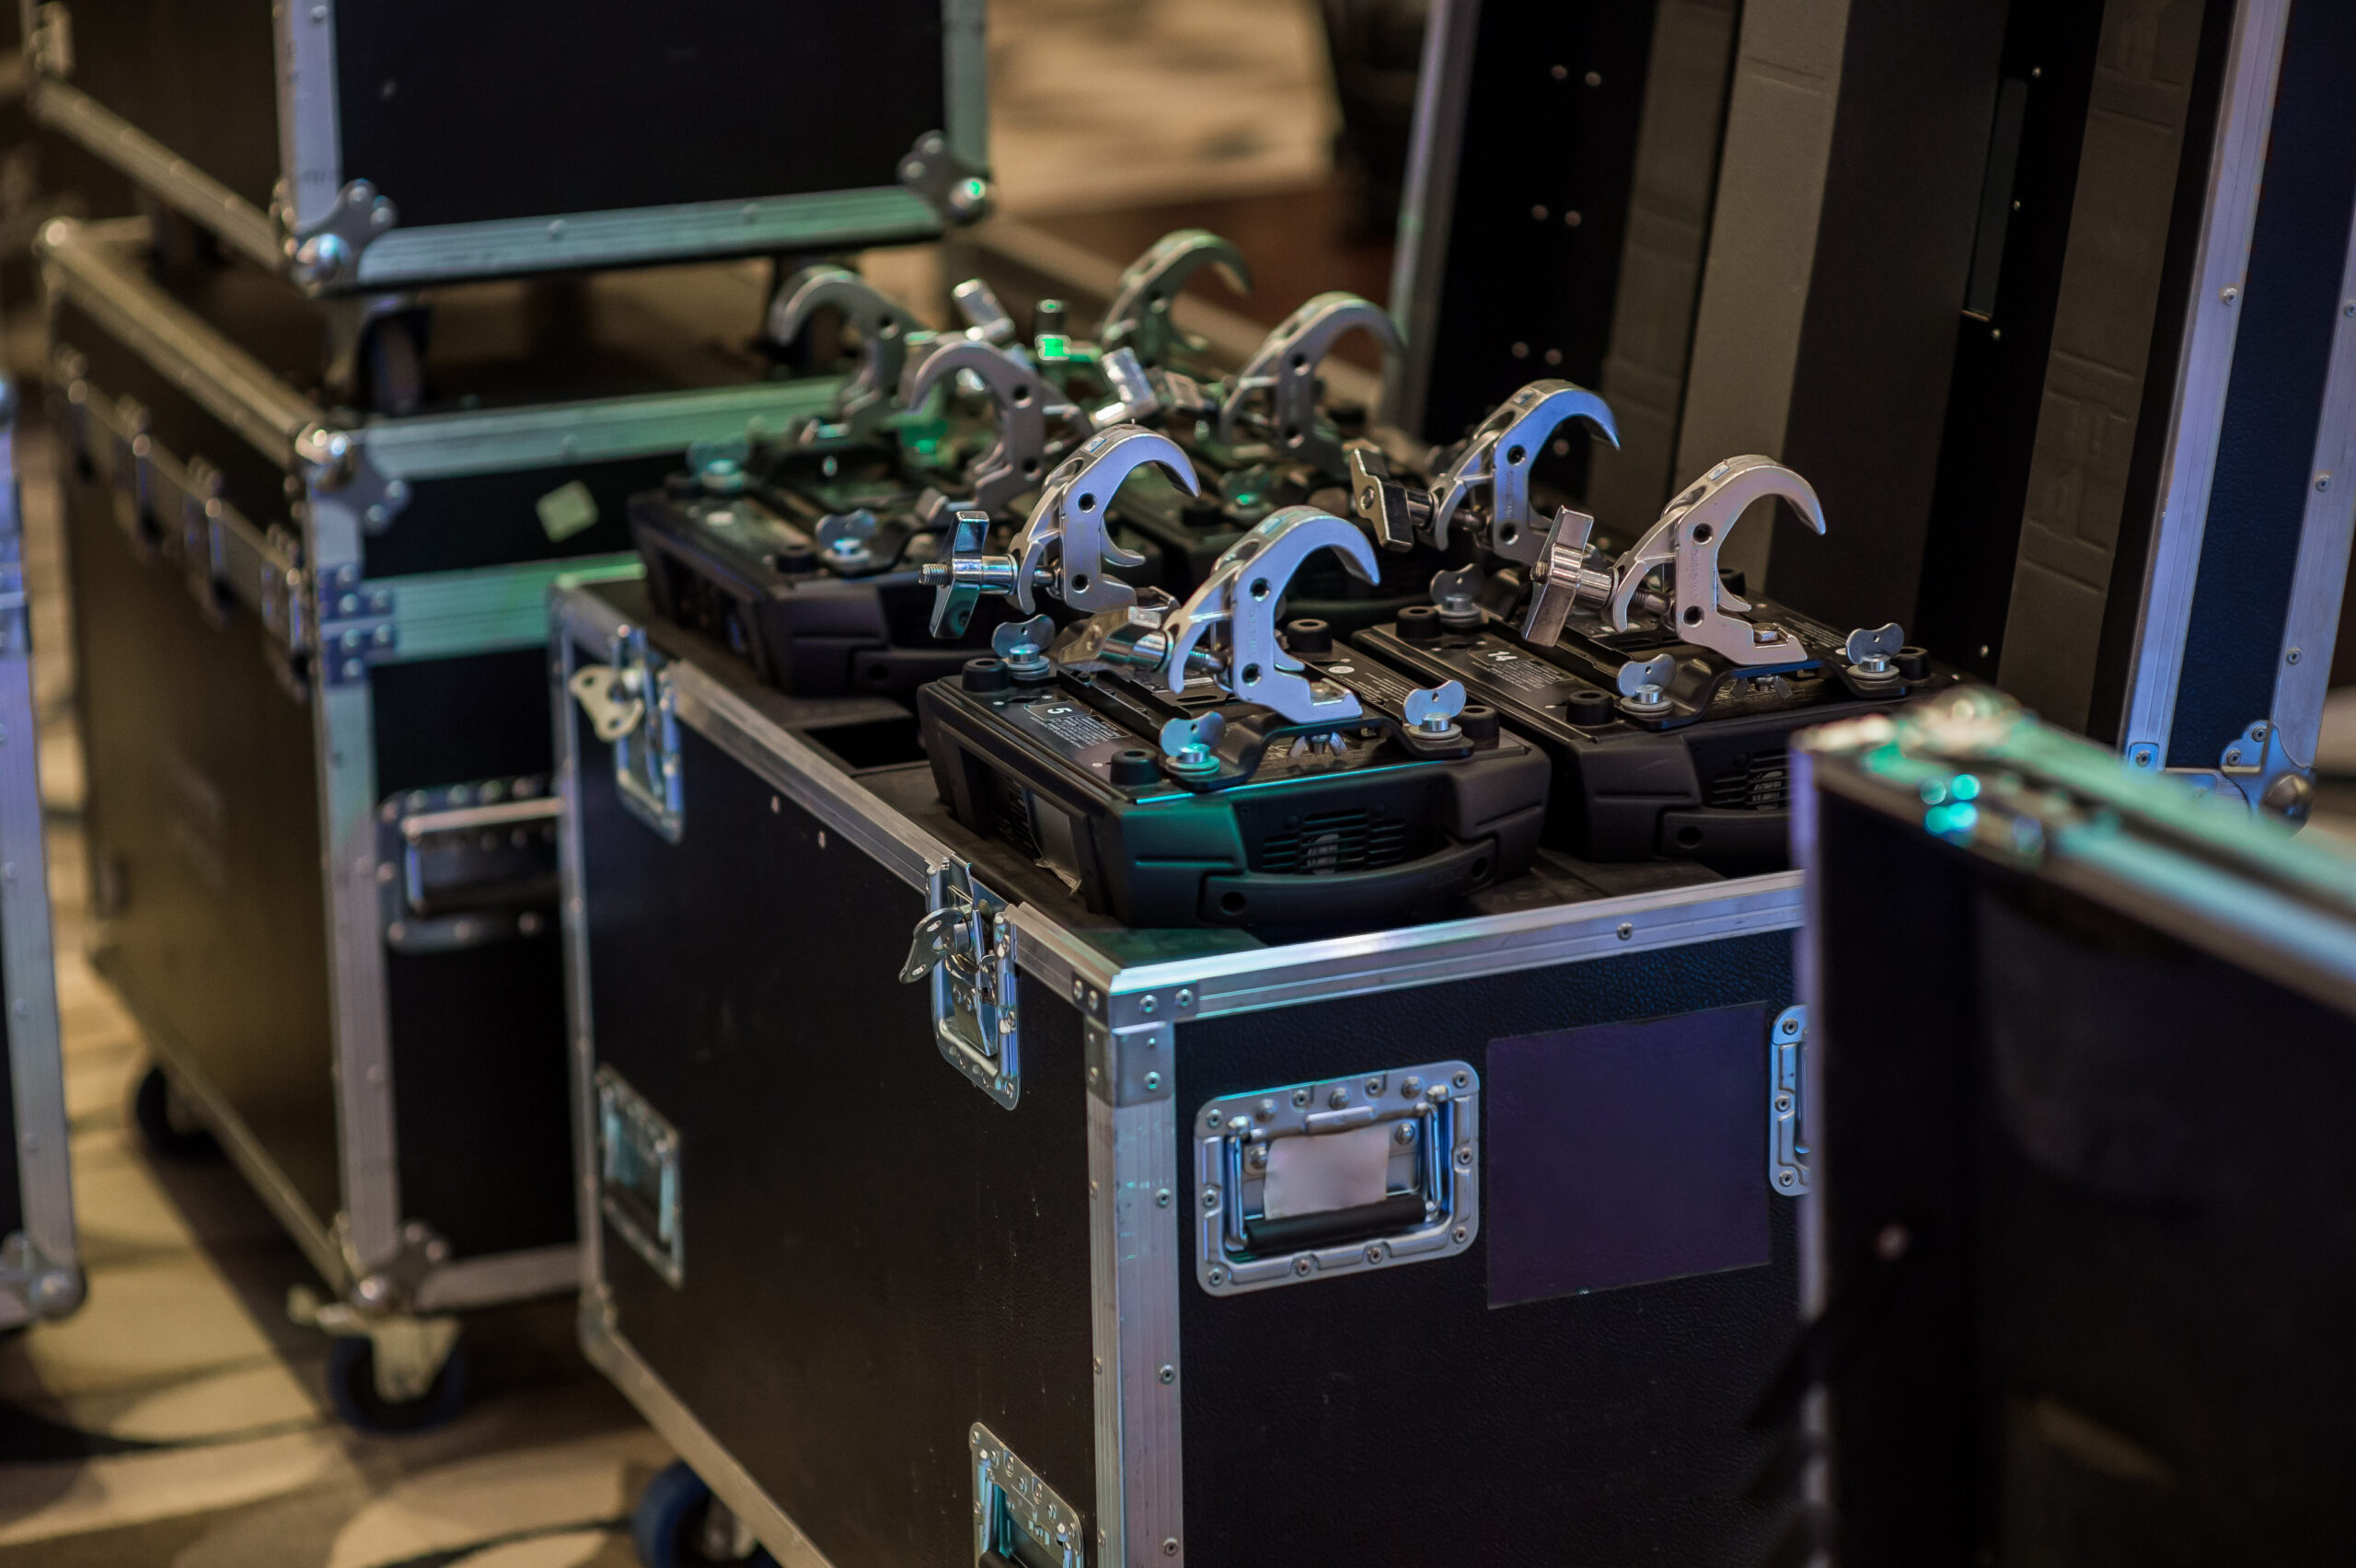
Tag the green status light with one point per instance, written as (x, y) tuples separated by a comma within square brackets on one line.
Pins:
[(1054, 346), (1965, 787)]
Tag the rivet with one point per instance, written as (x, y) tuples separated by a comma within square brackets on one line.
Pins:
[(2290, 657), (1185, 998), (1626, 930), (1162, 1198), (1153, 1081), (1461, 1235), (2323, 482), (1170, 1546), (1168, 1373), (1146, 1003), (2229, 294)]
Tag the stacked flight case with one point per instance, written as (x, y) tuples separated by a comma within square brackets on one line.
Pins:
[(2079, 1261), (369, 148), (893, 1308), (321, 829), (364, 389), (39, 1273)]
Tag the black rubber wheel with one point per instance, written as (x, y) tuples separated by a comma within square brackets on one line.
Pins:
[(352, 1389), (393, 358), (173, 1137), (667, 1526)]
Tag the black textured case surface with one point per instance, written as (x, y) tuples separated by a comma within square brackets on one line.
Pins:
[(462, 112), (479, 1037), (647, 108), (876, 1254), (1400, 1417)]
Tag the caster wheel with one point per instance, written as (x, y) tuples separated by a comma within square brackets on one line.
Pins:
[(668, 1527), (394, 360), (352, 1389), (168, 1128)]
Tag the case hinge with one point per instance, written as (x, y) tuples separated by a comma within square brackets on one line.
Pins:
[(1019, 1522), (632, 703), (965, 943), (1787, 1151)]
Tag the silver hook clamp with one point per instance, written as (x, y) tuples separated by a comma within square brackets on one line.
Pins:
[(1686, 540), (886, 332), (1017, 460), (1496, 458), (1285, 369), (1234, 611), (1140, 318), (1066, 546)]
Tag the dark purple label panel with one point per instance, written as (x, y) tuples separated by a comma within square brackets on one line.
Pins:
[(1624, 1153)]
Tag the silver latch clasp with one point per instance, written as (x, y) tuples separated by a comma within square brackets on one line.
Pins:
[(965, 944), (1787, 1149), (633, 706)]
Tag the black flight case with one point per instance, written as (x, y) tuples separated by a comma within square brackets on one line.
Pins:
[(2079, 1261), (933, 1218), (309, 645), (365, 147)]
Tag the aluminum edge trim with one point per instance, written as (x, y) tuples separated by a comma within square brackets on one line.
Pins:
[(1133, 1265), (2318, 583), (796, 771), (1465, 950), (2295, 949), (438, 615), (156, 168), (1437, 139), (705, 1454), (366, 1136), (882, 214), (570, 618), (429, 446), (35, 1063), (1809, 966), (501, 1277), (2237, 168), (230, 384), (965, 80), (310, 132)]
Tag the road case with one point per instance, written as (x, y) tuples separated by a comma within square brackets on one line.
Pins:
[(1117, 1246), (2079, 1265), (39, 1273), (321, 830), (370, 148)]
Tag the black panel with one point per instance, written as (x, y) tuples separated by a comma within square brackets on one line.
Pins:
[(195, 74), (454, 721), (493, 519), (1538, 143), (877, 1254), (1395, 1417), (204, 841), (461, 110), (2114, 1329), (480, 1083), (2005, 335), (1893, 252), (2266, 452)]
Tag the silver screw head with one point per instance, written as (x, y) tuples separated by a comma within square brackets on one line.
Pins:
[(1304, 1265), (1339, 1098)]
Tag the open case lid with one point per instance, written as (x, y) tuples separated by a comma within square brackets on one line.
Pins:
[(2080, 1260)]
